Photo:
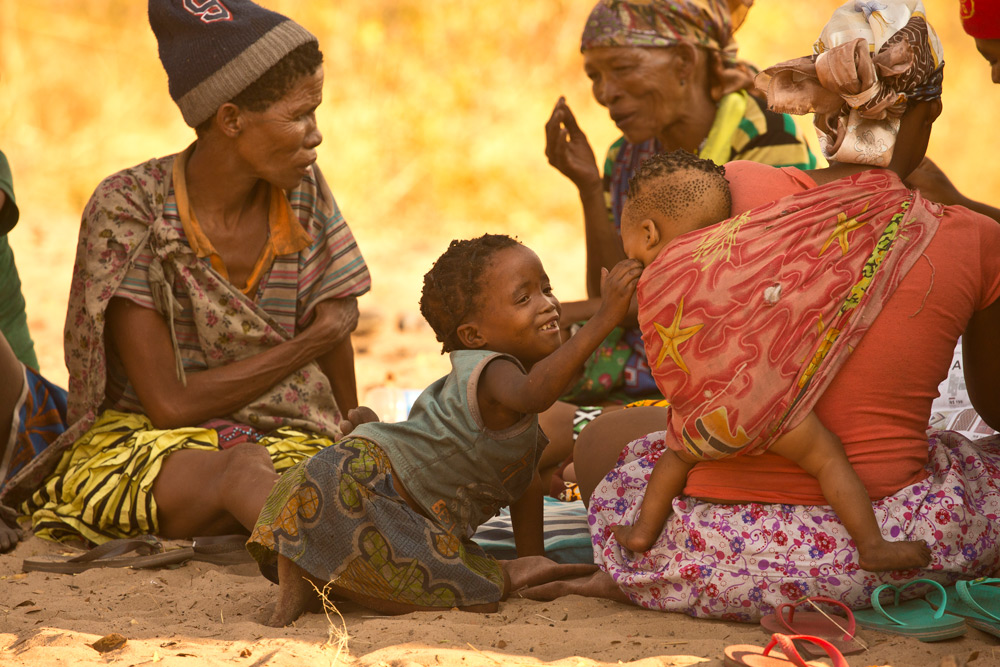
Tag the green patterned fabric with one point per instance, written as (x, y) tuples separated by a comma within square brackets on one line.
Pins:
[(13, 319), (338, 517)]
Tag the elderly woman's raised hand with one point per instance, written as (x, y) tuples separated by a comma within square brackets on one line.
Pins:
[(568, 150)]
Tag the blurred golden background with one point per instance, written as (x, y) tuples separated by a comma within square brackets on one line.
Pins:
[(433, 129)]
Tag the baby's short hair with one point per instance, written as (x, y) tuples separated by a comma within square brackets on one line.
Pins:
[(453, 285), (705, 179)]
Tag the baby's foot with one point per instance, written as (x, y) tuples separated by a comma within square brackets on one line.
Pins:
[(884, 556), (634, 538)]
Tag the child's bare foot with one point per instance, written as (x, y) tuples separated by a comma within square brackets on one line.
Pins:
[(295, 593), (883, 556), (634, 538), (10, 535)]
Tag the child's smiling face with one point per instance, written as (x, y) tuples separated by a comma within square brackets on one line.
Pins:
[(516, 312)]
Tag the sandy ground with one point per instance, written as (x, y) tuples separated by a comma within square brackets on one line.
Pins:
[(203, 614)]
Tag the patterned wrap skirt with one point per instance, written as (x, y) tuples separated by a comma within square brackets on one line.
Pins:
[(102, 488), (740, 562), (338, 517), (39, 418)]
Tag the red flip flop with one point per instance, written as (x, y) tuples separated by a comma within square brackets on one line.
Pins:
[(748, 655), (837, 629)]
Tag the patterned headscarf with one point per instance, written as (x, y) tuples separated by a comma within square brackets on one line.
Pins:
[(870, 60), (663, 23)]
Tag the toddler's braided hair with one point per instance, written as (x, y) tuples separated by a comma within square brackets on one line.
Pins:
[(680, 195), (453, 285)]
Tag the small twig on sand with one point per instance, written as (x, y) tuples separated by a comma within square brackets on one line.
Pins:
[(333, 632)]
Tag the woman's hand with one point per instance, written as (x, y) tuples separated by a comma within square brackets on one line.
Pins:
[(617, 287), (568, 150)]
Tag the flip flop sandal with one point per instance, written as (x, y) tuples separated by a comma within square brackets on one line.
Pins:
[(834, 628), (109, 554), (748, 655), (913, 618), (222, 549), (216, 549), (977, 601)]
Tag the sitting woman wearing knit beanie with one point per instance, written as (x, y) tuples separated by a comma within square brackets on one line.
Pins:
[(213, 297)]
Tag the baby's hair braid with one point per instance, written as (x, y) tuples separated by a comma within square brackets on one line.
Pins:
[(452, 287)]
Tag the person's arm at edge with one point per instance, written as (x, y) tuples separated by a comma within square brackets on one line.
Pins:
[(142, 340), (982, 363), (934, 184)]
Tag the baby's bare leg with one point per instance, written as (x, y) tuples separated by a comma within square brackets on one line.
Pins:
[(666, 482), (820, 453)]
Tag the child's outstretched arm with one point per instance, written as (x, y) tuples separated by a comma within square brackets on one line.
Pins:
[(666, 482), (821, 454), (537, 390)]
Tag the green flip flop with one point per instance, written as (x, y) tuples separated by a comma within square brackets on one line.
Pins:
[(977, 601), (913, 618)]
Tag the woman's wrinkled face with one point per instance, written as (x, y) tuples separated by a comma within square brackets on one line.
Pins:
[(279, 143), (990, 48), (639, 86)]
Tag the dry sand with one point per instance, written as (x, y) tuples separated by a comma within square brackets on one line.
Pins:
[(203, 614)]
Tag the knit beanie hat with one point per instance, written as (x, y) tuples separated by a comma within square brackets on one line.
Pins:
[(212, 50)]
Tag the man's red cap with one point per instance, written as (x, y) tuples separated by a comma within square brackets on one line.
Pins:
[(981, 18)]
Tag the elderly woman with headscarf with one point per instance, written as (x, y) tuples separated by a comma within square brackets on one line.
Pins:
[(752, 533), (668, 74), (213, 294)]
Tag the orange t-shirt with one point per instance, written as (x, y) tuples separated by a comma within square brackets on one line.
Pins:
[(880, 401)]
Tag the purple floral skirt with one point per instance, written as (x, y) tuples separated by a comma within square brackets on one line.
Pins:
[(739, 562)]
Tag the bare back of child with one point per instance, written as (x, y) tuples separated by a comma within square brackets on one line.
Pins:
[(676, 193)]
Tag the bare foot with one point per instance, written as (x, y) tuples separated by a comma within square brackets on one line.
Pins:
[(597, 585), (531, 571), (634, 538), (10, 535), (295, 593), (884, 556)]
